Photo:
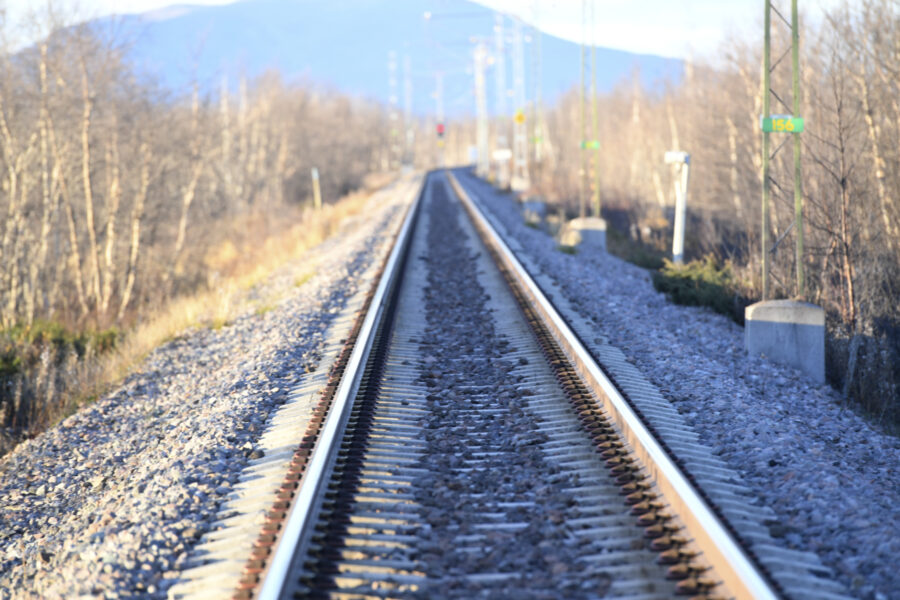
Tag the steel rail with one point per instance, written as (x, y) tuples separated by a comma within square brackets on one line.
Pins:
[(721, 551), (301, 519)]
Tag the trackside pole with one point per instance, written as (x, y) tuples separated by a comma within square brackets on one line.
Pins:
[(483, 166), (798, 181), (787, 331), (767, 71), (317, 192), (683, 160)]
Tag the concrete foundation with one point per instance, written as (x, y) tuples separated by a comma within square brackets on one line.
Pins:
[(788, 331), (588, 231)]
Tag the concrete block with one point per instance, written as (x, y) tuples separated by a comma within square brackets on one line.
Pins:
[(588, 231), (788, 331)]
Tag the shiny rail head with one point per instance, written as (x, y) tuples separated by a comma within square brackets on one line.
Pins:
[(296, 529)]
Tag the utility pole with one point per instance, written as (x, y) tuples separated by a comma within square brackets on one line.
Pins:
[(798, 182), (484, 165), (407, 110), (766, 183), (582, 209), (595, 140), (520, 180), (439, 113), (537, 126), (394, 147), (500, 94)]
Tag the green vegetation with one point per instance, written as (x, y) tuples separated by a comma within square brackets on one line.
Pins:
[(10, 361), (265, 308), (303, 279), (703, 282), (21, 345), (567, 249), (633, 251), (218, 323), (38, 360)]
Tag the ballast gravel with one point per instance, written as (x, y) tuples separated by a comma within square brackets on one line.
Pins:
[(109, 502), (831, 476), (486, 475)]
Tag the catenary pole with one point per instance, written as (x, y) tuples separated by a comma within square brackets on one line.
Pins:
[(798, 182), (582, 211), (520, 180), (595, 139), (439, 112), (767, 67), (538, 96), (395, 150), (408, 149), (481, 111), (500, 97)]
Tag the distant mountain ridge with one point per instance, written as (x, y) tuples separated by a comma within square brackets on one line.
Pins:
[(344, 45)]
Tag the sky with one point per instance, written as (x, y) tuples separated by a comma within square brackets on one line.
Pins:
[(672, 28)]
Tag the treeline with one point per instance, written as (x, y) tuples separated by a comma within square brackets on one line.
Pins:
[(850, 98), (117, 195)]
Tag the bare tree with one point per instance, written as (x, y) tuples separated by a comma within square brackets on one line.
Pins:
[(137, 213), (93, 253)]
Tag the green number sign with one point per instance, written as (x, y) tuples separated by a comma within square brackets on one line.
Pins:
[(591, 144), (782, 123)]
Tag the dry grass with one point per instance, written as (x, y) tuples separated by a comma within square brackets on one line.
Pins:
[(234, 268)]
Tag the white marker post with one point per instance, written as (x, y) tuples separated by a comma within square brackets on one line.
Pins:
[(502, 156), (317, 193), (683, 159)]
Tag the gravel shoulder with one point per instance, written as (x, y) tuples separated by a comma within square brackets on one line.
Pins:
[(110, 502), (832, 478)]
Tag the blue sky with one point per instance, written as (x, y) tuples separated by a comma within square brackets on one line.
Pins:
[(674, 28)]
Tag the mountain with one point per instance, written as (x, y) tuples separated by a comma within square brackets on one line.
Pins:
[(344, 45)]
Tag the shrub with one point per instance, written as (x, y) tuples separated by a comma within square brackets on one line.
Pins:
[(38, 364), (703, 282), (633, 251), (42, 333), (10, 361)]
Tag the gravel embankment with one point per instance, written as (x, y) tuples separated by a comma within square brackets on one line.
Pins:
[(109, 502), (831, 476)]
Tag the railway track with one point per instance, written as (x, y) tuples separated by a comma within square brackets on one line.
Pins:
[(467, 443)]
